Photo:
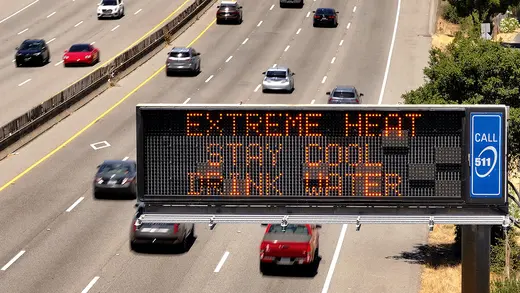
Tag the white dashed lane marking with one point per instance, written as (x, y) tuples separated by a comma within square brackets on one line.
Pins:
[(341, 43), (229, 58), (348, 25), (15, 258), (90, 285), (308, 14), (354, 10), (245, 41), (298, 31), (187, 100), (332, 61), (58, 63), (257, 88), (260, 23), (138, 11), (116, 27), (287, 48), (20, 84), (51, 40), (324, 79), (28, 5), (74, 204), (272, 6), (51, 14), (209, 78), (23, 31), (78, 24)]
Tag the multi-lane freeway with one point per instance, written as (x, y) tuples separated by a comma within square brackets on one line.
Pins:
[(61, 24), (57, 238)]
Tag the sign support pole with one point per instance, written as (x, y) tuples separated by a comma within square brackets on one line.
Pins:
[(476, 243)]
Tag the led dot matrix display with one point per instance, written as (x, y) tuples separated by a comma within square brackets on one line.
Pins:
[(312, 153)]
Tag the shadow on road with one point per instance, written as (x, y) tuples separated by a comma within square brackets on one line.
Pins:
[(434, 256), (294, 272)]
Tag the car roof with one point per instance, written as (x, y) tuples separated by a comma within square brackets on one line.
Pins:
[(180, 49), (34, 41), (325, 9), (278, 68), (117, 161), (229, 2), (345, 88)]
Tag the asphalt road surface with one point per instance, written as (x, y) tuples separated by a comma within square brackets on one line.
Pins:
[(61, 24), (57, 238)]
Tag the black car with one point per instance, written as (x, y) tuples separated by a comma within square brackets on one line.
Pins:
[(116, 177), (287, 3), (325, 17), (229, 11), (32, 52), (344, 94)]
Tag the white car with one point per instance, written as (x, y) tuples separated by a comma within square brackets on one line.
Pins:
[(111, 9), (278, 79)]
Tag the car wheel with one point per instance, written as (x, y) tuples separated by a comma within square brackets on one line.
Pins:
[(314, 24), (96, 195), (99, 18), (264, 268), (186, 243), (135, 247), (18, 64), (219, 22)]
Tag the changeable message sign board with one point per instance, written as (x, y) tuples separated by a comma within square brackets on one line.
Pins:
[(318, 154)]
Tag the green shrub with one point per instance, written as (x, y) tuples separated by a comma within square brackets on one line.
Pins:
[(509, 25), (506, 286), (449, 13)]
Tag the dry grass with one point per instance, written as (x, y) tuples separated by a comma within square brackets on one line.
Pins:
[(445, 33), (441, 279)]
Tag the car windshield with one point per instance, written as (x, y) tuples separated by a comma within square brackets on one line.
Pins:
[(326, 11), (109, 2), (115, 168), (227, 5), (31, 46), (179, 54), (343, 94), (276, 73), (80, 48), (290, 229)]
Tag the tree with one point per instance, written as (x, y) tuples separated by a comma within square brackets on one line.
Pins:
[(474, 71), (483, 8)]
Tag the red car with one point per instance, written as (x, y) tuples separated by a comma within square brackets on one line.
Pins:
[(81, 54), (292, 245)]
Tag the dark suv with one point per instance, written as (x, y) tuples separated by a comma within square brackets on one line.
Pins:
[(345, 94), (325, 17), (32, 52), (229, 11), (287, 3), (181, 59)]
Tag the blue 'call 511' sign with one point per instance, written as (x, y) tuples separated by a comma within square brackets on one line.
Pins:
[(486, 155)]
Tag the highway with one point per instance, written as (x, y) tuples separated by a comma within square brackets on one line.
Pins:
[(62, 24), (57, 238)]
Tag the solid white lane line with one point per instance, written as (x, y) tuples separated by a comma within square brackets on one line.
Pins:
[(51, 40), (286, 48), (308, 13), (348, 25), (260, 23), (354, 10), (229, 58), (125, 158), (28, 5), (335, 259), (58, 63), (221, 262), (78, 24), (74, 204), (187, 100), (299, 30), (272, 6), (15, 258), (257, 87), (90, 285), (389, 60), (209, 78), (245, 41), (332, 61), (23, 31), (341, 43), (324, 79), (135, 13), (116, 27), (313, 100), (20, 84), (51, 14)]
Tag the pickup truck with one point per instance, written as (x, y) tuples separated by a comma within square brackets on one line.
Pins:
[(290, 245)]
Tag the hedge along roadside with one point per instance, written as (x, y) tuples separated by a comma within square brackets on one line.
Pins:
[(27, 123)]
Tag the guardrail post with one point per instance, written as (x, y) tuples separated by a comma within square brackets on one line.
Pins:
[(476, 243)]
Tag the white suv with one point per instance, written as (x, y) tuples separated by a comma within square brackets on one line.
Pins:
[(111, 9)]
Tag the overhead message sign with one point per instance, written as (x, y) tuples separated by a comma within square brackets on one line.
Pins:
[(314, 153), (486, 153)]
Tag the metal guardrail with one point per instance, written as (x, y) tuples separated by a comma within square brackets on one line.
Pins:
[(42, 113)]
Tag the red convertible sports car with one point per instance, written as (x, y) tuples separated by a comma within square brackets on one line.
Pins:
[(81, 54)]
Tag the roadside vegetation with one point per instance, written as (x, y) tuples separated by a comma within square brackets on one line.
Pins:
[(465, 69)]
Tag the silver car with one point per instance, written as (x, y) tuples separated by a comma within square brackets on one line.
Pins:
[(183, 60), (278, 79), (344, 94)]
